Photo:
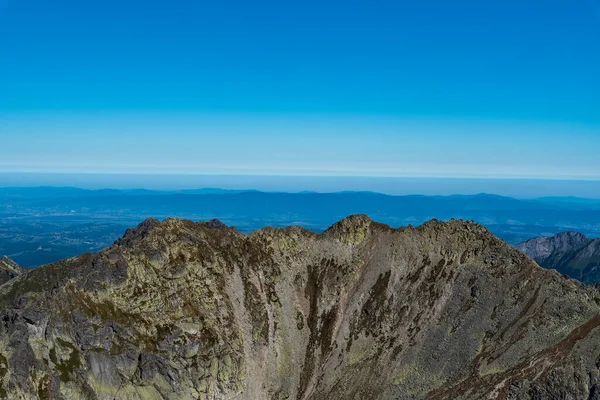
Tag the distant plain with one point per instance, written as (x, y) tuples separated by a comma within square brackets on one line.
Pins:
[(39, 225)]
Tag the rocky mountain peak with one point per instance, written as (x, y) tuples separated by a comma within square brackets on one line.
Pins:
[(9, 270), (7, 262), (539, 249), (571, 253), (215, 224), (179, 309), (139, 232), (353, 228)]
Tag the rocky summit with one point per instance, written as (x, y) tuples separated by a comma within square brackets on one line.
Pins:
[(570, 253), (185, 310), (542, 248), (9, 270)]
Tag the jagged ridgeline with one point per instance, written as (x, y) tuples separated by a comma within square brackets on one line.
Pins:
[(9, 270), (184, 310), (570, 253)]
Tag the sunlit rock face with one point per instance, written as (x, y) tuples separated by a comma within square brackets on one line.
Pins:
[(9, 270), (184, 310)]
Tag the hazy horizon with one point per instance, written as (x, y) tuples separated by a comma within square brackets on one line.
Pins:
[(518, 188)]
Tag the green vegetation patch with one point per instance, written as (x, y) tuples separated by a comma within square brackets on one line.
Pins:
[(3, 372), (65, 366)]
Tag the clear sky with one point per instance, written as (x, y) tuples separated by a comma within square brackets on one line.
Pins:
[(495, 88)]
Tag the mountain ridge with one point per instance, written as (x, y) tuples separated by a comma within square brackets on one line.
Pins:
[(197, 310), (9, 270), (74, 191), (540, 248), (93, 221), (570, 253)]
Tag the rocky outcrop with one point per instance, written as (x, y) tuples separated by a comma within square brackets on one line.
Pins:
[(570, 253), (9, 270), (541, 248), (181, 310)]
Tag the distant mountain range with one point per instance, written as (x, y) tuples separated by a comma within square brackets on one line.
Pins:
[(571, 253), (74, 192), (39, 225)]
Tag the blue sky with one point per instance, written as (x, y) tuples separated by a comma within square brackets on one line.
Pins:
[(389, 88)]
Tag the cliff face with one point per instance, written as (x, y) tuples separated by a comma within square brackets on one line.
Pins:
[(177, 309), (9, 270), (570, 253), (541, 248)]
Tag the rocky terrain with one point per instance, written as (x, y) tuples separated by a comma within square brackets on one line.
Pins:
[(570, 253), (9, 270), (542, 248), (184, 310)]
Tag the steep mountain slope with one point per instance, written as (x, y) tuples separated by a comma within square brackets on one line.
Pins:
[(184, 310), (9, 270), (570, 253), (541, 248)]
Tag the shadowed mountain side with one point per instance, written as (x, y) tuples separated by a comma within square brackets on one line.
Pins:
[(570, 253), (178, 309), (542, 248)]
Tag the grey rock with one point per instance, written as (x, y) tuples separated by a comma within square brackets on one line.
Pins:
[(570, 253), (181, 310), (541, 248), (9, 270)]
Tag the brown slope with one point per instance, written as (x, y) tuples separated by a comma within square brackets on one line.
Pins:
[(178, 309)]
